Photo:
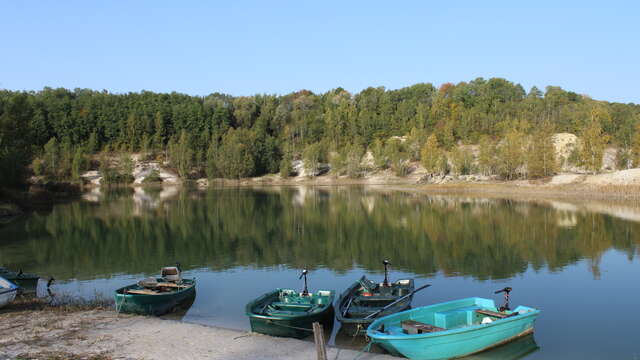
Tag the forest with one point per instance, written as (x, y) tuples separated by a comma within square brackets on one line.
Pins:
[(59, 133)]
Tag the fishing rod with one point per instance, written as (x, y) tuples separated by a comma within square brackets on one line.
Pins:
[(397, 301)]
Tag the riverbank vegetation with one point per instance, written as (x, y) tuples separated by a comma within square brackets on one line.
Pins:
[(58, 133)]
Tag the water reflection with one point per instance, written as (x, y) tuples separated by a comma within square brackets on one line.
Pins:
[(137, 231)]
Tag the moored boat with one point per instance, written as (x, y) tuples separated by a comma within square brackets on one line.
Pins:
[(288, 313), (365, 298), (156, 296), (8, 291), (451, 329), (27, 282)]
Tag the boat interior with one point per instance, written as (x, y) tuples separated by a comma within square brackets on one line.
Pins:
[(289, 302), (441, 318)]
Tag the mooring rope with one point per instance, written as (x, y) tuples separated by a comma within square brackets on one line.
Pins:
[(365, 349)]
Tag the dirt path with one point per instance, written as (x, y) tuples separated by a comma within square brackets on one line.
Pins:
[(103, 334)]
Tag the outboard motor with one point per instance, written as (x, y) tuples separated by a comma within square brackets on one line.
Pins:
[(171, 274), (305, 292), (506, 292)]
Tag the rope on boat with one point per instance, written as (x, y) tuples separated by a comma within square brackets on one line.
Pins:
[(365, 349)]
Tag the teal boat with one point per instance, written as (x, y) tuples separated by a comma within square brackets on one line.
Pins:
[(157, 296), (452, 329), (288, 313)]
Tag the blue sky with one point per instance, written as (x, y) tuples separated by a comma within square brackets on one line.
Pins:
[(249, 47)]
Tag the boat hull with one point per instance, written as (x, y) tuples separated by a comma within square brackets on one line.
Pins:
[(457, 341), (154, 304), (8, 292), (295, 328)]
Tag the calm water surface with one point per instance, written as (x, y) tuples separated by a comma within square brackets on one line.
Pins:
[(579, 267)]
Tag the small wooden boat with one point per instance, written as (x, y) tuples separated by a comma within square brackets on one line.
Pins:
[(451, 329), (8, 291), (365, 298), (156, 296), (27, 282), (288, 313)]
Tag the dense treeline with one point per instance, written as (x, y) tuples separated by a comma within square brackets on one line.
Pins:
[(223, 136)]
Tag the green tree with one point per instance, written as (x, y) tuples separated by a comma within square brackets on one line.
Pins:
[(487, 156), (286, 167), (398, 157), (510, 154), (312, 156), (380, 158), (431, 155), (181, 154), (51, 158), (635, 146), (462, 161), (78, 164), (592, 145), (541, 155), (236, 158)]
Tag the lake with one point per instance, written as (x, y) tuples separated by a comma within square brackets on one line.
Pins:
[(577, 264)]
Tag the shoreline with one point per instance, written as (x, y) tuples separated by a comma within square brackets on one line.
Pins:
[(101, 334)]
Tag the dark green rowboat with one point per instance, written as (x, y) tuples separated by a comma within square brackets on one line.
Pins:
[(287, 313), (365, 297), (165, 297), (27, 282)]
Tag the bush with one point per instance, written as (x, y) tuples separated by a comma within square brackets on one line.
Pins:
[(153, 177)]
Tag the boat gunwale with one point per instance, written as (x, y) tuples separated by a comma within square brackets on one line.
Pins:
[(249, 307), (374, 334), (8, 290)]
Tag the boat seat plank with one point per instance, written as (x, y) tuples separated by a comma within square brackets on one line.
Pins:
[(494, 313), (415, 327), (292, 305), (142, 292), (171, 285)]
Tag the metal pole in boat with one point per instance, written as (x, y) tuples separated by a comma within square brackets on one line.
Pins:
[(305, 292), (386, 272), (506, 292)]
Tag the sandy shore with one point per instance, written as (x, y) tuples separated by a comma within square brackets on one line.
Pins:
[(103, 335)]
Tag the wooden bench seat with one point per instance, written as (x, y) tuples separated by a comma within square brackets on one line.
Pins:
[(413, 327)]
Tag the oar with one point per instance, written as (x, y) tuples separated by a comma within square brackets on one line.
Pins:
[(397, 301), (346, 309)]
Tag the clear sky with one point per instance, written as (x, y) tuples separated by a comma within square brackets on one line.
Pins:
[(249, 47)]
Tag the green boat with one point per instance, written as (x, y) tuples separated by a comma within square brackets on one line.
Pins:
[(157, 296), (27, 282), (288, 313)]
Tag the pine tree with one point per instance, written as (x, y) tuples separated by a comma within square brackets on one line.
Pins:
[(285, 165), (431, 155)]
